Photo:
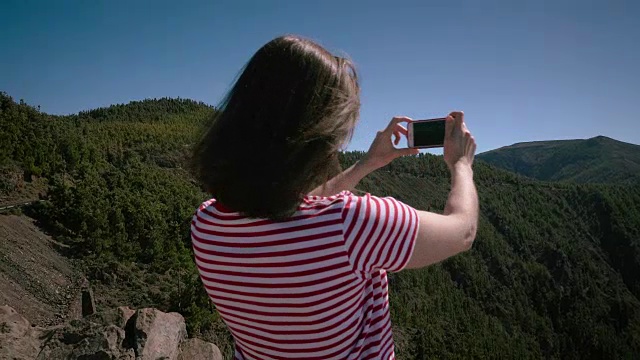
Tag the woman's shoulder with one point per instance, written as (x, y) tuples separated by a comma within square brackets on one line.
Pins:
[(309, 204), (345, 197), (316, 202), (308, 200), (207, 203), (317, 198)]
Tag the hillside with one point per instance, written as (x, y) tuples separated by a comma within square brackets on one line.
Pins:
[(553, 267), (35, 279), (553, 273), (596, 160)]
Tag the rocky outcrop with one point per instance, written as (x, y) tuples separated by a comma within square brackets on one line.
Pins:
[(18, 340), (198, 349), (81, 339), (157, 335), (120, 334), (88, 303)]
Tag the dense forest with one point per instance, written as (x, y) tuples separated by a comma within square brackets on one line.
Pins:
[(553, 272)]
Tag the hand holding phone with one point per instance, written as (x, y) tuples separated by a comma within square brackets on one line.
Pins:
[(425, 134), (382, 151), (459, 144), (450, 132)]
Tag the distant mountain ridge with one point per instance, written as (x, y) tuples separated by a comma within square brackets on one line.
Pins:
[(596, 160)]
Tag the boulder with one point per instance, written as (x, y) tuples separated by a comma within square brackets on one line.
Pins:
[(118, 316), (196, 349), (157, 334), (114, 334), (83, 339), (88, 303), (18, 340)]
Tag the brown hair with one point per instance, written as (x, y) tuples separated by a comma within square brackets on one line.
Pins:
[(278, 131)]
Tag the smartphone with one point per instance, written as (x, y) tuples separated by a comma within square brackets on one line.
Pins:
[(424, 134)]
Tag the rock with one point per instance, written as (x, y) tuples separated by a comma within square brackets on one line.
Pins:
[(158, 334), (196, 349), (83, 339), (125, 314), (117, 317), (114, 334), (18, 340), (88, 304)]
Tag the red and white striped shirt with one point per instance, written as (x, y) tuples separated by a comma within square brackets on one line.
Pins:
[(313, 286)]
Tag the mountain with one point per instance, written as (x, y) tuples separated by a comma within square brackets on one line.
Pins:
[(596, 160), (553, 272)]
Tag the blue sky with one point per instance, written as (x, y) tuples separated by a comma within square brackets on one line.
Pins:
[(521, 70)]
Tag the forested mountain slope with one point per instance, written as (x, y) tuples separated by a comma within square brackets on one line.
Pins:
[(554, 267), (596, 160), (553, 272)]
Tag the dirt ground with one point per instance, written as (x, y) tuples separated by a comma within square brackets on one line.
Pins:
[(35, 279)]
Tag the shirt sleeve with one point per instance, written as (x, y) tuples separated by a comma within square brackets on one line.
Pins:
[(379, 233)]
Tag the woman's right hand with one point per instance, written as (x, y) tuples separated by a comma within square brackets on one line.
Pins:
[(459, 144)]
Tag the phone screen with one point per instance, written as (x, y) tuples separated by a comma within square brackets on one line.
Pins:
[(428, 133)]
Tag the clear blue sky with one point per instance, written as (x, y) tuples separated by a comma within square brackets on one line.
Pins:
[(521, 70)]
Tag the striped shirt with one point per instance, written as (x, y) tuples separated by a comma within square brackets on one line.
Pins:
[(313, 286)]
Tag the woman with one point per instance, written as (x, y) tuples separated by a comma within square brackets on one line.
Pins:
[(295, 264)]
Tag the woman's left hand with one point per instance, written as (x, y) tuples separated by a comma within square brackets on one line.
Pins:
[(382, 150)]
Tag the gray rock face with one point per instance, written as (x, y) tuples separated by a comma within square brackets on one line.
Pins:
[(118, 316), (82, 339), (196, 349), (88, 303), (18, 340), (117, 334), (158, 335)]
